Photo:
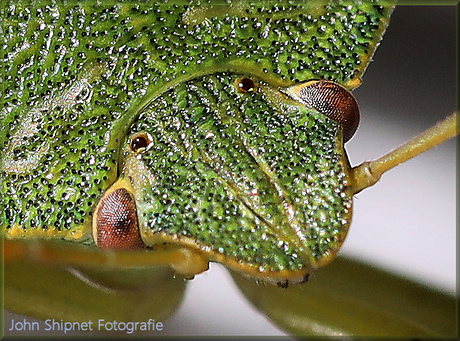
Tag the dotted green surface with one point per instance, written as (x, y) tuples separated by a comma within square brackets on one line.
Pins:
[(240, 174), (76, 75)]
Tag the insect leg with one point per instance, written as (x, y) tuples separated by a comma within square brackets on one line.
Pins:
[(184, 261)]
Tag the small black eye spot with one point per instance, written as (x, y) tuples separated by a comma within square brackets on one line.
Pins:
[(245, 85), (141, 142)]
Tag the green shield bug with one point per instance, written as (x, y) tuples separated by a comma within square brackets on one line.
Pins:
[(72, 101)]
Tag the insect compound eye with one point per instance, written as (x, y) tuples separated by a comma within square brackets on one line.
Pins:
[(330, 99), (245, 85), (141, 142), (116, 224)]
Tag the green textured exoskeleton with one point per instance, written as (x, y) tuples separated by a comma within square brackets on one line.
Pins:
[(255, 180), (164, 136)]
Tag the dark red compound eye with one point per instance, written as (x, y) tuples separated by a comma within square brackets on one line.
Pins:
[(330, 99), (116, 222), (245, 85), (141, 143)]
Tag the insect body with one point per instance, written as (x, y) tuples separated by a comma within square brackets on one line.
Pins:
[(62, 138), (183, 134)]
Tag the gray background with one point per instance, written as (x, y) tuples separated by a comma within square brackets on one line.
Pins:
[(407, 222)]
